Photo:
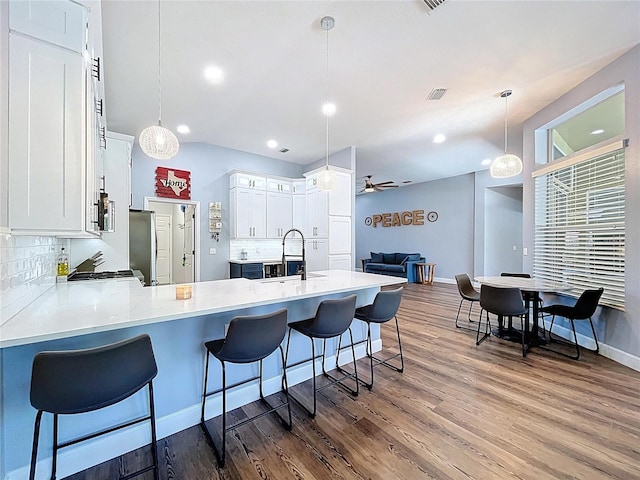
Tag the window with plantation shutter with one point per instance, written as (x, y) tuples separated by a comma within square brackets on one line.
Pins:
[(580, 223)]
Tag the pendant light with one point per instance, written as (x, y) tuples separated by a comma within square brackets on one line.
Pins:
[(157, 141), (507, 165), (327, 178)]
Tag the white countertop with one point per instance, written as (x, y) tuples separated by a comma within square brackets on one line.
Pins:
[(79, 308)]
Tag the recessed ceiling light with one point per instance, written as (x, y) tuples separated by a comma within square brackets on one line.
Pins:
[(439, 138), (272, 144), (214, 74), (184, 129), (328, 109), (597, 132), (486, 161)]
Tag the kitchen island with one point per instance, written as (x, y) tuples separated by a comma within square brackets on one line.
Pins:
[(87, 314)]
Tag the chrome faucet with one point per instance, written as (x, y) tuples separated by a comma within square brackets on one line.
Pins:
[(302, 269)]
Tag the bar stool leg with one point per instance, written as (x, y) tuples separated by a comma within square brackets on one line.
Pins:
[(54, 461), (154, 449), (34, 449), (285, 387)]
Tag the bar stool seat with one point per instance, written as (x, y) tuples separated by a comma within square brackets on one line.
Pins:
[(249, 339), (80, 381), (332, 319)]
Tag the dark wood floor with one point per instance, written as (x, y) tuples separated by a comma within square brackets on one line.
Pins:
[(458, 411)]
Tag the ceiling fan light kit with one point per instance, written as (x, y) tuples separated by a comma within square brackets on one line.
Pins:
[(157, 141), (507, 165)]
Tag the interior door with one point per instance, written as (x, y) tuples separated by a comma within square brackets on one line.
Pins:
[(189, 265), (163, 259)]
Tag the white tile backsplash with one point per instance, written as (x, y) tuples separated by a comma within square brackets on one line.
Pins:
[(263, 249), (27, 270)]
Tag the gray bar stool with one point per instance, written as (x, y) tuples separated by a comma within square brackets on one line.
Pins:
[(332, 319), (249, 339), (80, 381), (384, 307)]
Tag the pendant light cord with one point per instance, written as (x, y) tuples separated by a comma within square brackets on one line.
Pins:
[(505, 123), (159, 71), (327, 101)]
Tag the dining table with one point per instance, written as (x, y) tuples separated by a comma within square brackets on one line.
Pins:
[(532, 288)]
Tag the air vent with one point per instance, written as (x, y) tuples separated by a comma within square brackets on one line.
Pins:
[(284, 150), (433, 4), (437, 94)]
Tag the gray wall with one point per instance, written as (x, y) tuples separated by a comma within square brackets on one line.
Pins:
[(620, 331), (503, 230), (209, 166), (448, 242)]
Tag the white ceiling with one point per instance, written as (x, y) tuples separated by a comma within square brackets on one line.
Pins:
[(385, 58)]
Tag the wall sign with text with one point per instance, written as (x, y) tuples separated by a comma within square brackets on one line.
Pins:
[(399, 219), (173, 183)]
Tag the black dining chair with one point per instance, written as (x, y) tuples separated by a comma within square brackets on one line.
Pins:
[(502, 302), (583, 309), (249, 339), (80, 381), (468, 293), (384, 307), (529, 298), (332, 319)]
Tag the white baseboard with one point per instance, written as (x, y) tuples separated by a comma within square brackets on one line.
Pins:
[(92, 452), (608, 351)]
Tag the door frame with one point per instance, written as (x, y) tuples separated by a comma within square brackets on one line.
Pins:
[(196, 226)]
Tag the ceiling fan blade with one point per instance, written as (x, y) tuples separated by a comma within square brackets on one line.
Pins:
[(384, 183), (362, 190), (388, 186), (377, 188)]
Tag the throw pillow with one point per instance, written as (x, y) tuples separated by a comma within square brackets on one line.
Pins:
[(376, 257), (389, 258)]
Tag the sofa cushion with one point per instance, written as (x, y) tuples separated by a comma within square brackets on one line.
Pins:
[(393, 268), (376, 258), (401, 258), (389, 258)]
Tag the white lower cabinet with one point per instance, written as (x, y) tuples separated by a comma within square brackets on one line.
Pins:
[(248, 208), (317, 252), (47, 168)]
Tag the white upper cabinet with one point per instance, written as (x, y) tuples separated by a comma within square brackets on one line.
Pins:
[(46, 137), (248, 213), (247, 180), (279, 214), (59, 22), (317, 211), (278, 185), (340, 197), (56, 135), (299, 186)]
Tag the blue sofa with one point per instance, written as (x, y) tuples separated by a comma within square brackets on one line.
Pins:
[(395, 264)]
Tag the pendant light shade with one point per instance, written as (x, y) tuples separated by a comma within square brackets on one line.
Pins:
[(507, 165), (327, 179), (157, 141)]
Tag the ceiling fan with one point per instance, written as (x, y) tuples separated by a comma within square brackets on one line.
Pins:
[(369, 186)]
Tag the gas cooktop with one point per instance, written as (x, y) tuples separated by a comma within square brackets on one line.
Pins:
[(99, 275)]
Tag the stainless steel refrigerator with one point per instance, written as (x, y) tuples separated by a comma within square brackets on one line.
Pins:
[(143, 245)]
